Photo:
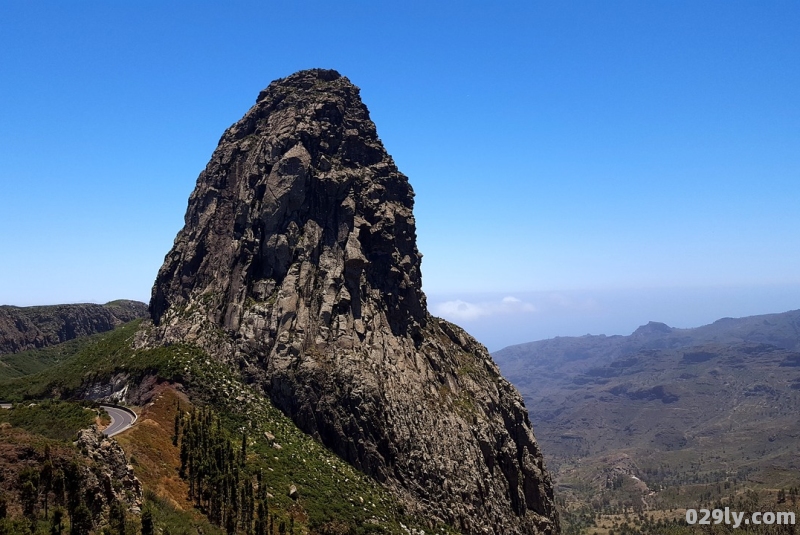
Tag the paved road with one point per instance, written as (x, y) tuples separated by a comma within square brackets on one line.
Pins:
[(5, 405), (121, 419)]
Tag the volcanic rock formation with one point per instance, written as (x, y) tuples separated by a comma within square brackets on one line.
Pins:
[(298, 266)]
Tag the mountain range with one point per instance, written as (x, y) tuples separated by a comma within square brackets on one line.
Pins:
[(665, 407)]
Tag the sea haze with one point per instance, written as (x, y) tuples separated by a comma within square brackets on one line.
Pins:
[(501, 319)]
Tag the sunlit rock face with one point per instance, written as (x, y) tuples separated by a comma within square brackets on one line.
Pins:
[(298, 266)]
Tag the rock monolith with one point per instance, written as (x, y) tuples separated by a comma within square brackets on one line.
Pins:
[(298, 266)]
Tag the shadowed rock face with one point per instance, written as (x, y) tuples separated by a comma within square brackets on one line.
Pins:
[(298, 265)]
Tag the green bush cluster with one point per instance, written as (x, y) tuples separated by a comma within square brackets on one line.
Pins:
[(40, 417)]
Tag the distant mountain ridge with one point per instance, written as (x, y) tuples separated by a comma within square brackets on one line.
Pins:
[(664, 405), (24, 328), (781, 330)]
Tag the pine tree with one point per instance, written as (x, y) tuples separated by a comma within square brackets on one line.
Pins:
[(215, 468), (147, 522), (230, 522), (28, 485), (58, 487), (261, 521), (116, 517), (46, 478), (177, 429), (184, 458), (81, 520), (243, 457), (57, 521)]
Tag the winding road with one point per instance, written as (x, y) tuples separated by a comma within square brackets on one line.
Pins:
[(121, 419)]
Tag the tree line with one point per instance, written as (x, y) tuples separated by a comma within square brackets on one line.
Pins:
[(221, 484), (53, 490)]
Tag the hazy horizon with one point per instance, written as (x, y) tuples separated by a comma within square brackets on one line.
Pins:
[(502, 319)]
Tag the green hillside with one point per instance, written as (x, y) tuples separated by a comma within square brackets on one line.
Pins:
[(35, 361), (332, 497)]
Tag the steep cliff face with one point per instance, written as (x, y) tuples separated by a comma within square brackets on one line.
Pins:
[(23, 328), (298, 266)]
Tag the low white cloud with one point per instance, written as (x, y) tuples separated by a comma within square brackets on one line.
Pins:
[(560, 301), (458, 310)]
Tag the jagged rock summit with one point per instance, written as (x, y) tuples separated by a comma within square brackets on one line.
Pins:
[(298, 265)]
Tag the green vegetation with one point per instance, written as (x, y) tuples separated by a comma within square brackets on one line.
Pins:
[(219, 482), (164, 518), (95, 363), (50, 491), (331, 496), (622, 510), (641, 521), (58, 420), (38, 360)]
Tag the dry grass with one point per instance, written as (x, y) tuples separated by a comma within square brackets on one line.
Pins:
[(149, 444), (103, 420)]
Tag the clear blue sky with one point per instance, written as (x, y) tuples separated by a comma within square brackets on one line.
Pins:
[(564, 154)]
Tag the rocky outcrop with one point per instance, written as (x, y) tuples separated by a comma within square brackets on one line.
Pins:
[(298, 266), (108, 477), (93, 471), (120, 388), (23, 328)]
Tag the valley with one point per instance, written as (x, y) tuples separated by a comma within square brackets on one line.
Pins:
[(666, 418), (635, 429)]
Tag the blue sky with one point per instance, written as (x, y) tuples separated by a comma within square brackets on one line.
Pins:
[(579, 166)]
